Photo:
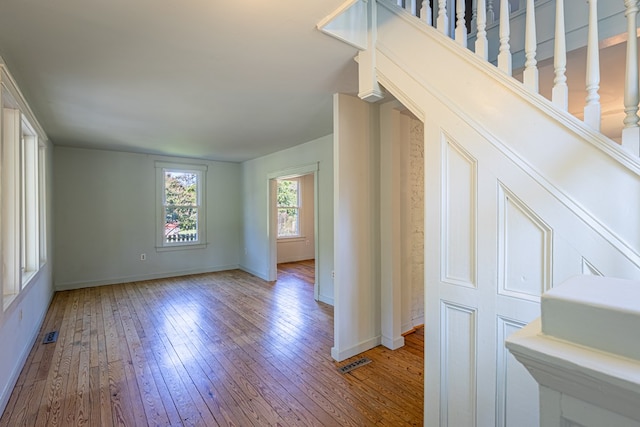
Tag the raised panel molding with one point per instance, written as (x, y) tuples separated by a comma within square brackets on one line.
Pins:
[(458, 374), (525, 249), (459, 215), (589, 269), (513, 382)]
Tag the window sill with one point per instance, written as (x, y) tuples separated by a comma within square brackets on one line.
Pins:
[(292, 239), (8, 299), (181, 247)]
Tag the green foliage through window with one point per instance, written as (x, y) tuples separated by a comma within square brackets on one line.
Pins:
[(288, 198), (181, 206)]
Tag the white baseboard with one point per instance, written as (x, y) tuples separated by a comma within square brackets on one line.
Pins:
[(138, 278), (393, 343), (295, 258), (254, 272), (325, 299), (340, 355)]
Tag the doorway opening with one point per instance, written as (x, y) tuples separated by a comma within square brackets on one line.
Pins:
[(293, 222)]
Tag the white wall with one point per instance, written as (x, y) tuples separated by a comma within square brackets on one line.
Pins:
[(303, 247), (105, 217), (255, 252), (401, 222), (20, 323), (357, 229)]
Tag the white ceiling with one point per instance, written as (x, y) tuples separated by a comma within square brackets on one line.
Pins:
[(222, 80)]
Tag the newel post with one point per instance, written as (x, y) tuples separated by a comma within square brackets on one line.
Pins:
[(584, 353)]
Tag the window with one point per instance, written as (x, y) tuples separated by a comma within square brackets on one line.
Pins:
[(288, 197), (22, 196), (181, 194), (30, 213)]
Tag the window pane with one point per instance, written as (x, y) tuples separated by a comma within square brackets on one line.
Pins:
[(288, 224), (181, 188), (288, 193), (181, 224)]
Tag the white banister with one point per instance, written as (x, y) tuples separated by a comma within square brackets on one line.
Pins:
[(592, 111), (631, 131), (426, 13), (482, 44), (461, 24), (560, 91), (504, 55), (491, 15), (442, 22), (530, 75)]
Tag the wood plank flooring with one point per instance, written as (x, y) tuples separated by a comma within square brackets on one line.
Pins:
[(205, 350)]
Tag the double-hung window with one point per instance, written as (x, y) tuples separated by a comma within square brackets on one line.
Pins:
[(22, 196), (288, 197), (181, 193)]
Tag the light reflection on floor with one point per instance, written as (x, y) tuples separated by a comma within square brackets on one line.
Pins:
[(289, 292)]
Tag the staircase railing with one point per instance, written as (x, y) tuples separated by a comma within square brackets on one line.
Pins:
[(483, 14)]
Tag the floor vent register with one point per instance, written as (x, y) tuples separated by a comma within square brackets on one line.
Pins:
[(355, 364), (50, 337)]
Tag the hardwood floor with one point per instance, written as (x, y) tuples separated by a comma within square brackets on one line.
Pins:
[(213, 349)]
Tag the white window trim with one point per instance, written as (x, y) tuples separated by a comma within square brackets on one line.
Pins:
[(201, 170), (298, 236)]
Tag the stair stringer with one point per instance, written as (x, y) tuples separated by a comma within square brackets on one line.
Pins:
[(592, 176)]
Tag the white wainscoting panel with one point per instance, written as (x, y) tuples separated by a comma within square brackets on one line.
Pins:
[(514, 383), (459, 204), (525, 245), (459, 355), (589, 269)]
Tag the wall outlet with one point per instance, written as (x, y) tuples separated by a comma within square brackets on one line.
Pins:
[(20, 315), (333, 274), (143, 257)]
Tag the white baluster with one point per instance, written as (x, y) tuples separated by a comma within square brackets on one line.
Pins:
[(443, 20), (504, 55), (411, 6), (482, 45), (592, 109), (530, 75), (631, 131), (560, 91), (399, 3), (491, 15), (461, 24), (426, 13), (474, 15)]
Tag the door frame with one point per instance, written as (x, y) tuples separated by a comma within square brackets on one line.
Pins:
[(272, 216)]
